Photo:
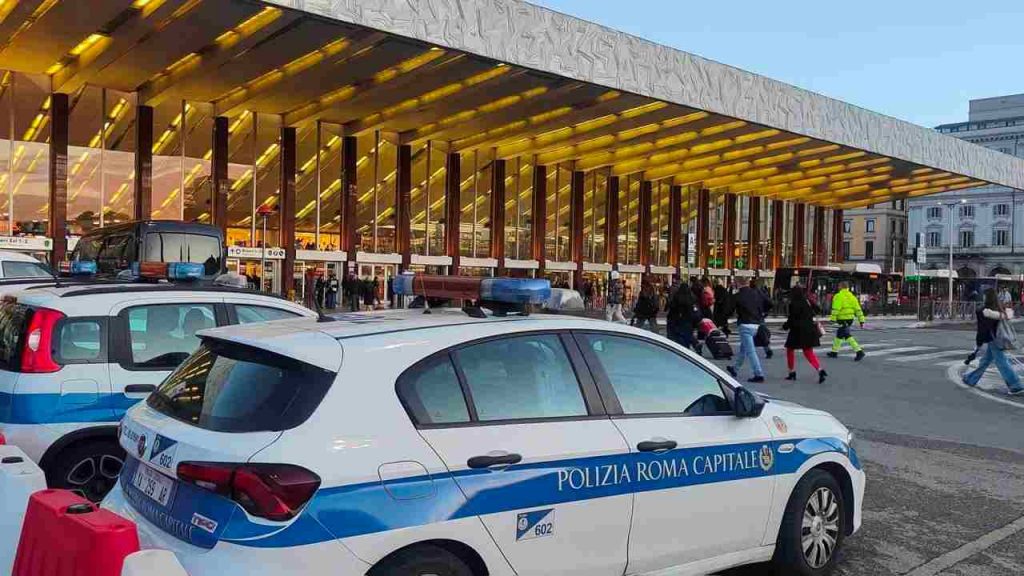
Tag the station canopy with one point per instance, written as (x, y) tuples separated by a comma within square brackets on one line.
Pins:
[(428, 82)]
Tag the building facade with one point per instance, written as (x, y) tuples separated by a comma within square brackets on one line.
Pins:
[(877, 235), (984, 222)]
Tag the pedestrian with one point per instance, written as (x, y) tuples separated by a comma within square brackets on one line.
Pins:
[(390, 287), (764, 335), (681, 314), (351, 287), (845, 309), (724, 307), (750, 306), (988, 325), (803, 333), (321, 290), (376, 291), (332, 292), (1005, 298), (613, 308), (369, 293), (707, 300), (646, 309)]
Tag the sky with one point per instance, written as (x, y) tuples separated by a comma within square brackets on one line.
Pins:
[(917, 60)]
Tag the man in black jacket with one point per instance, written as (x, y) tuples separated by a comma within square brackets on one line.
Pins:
[(750, 307)]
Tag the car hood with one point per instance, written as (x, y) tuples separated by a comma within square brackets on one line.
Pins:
[(791, 420)]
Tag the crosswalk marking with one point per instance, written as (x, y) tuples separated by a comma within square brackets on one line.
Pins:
[(889, 351), (931, 356)]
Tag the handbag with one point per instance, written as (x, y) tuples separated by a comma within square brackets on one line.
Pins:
[(763, 337), (1005, 336)]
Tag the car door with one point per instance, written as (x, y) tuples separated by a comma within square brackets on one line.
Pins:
[(518, 423), (150, 338), (703, 483)]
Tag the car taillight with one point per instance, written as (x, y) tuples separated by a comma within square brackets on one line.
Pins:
[(36, 355), (272, 491)]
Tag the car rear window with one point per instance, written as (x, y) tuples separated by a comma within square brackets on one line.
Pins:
[(182, 247), (13, 318), (228, 387), (14, 269)]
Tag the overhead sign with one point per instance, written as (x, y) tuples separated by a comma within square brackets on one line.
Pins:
[(26, 243), (249, 252)]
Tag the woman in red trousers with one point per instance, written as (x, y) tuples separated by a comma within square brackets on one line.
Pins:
[(803, 333)]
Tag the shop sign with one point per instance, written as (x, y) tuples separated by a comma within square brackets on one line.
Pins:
[(26, 243), (252, 253)]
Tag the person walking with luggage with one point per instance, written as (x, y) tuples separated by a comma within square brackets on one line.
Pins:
[(613, 307), (725, 305), (681, 312), (989, 318), (750, 306), (845, 309), (803, 333)]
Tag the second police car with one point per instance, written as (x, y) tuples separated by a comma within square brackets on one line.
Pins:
[(406, 443), (74, 355)]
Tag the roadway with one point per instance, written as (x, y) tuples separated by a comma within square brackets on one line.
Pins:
[(945, 464)]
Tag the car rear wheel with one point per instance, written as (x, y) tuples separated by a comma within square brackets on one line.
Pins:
[(90, 468), (813, 528), (422, 560)]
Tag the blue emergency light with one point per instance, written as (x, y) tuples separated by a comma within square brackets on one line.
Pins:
[(185, 271), (83, 267), (496, 290)]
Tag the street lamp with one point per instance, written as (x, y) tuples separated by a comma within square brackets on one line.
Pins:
[(264, 212), (949, 208)]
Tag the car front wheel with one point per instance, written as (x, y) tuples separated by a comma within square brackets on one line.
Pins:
[(813, 528)]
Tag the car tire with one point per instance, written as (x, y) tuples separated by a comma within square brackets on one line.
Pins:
[(89, 467), (813, 528), (423, 560)]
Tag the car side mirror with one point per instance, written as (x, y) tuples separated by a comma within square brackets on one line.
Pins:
[(747, 404)]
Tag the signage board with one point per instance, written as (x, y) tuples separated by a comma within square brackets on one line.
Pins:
[(253, 253)]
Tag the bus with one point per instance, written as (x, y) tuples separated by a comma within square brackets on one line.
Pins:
[(115, 248), (878, 288)]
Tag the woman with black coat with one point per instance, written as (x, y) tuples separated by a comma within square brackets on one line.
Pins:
[(803, 333), (682, 309)]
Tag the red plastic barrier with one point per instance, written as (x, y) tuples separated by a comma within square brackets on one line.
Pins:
[(66, 535)]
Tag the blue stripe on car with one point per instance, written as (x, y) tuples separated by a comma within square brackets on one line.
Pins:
[(63, 408), (368, 508)]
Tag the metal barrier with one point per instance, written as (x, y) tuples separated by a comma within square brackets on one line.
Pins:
[(940, 310)]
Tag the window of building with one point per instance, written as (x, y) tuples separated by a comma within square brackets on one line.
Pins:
[(523, 377), (649, 379), (935, 212), (869, 250), (847, 225), (892, 226), (967, 238), (903, 227), (846, 250), (967, 211), (1000, 237), (869, 225), (1001, 210), (933, 240)]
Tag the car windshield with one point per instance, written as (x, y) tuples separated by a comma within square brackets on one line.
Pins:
[(14, 269), (228, 387)]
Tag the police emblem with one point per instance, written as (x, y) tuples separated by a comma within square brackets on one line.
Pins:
[(780, 424), (141, 447), (767, 458)]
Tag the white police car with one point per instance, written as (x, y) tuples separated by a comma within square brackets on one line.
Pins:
[(74, 356), (406, 443)]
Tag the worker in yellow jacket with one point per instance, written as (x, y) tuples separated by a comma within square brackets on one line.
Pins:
[(845, 309)]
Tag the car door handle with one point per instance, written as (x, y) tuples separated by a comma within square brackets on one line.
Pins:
[(656, 445), (492, 460), (139, 388)]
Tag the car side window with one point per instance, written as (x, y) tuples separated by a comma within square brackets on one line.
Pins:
[(163, 335), (520, 378), (80, 341), (247, 313), (431, 393), (650, 379)]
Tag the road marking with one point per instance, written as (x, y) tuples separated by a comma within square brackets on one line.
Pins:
[(953, 557), (932, 356), (953, 374), (900, 350)]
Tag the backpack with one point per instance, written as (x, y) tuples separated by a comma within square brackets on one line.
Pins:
[(1005, 337)]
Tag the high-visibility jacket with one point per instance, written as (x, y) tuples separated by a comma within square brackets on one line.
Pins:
[(845, 306)]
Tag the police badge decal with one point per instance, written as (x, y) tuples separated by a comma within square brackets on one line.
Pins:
[(767, 458)]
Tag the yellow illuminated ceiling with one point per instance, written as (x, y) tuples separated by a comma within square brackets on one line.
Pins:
[(243, 56)]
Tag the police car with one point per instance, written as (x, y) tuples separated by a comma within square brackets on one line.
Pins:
[(74, 355), (461, 443)]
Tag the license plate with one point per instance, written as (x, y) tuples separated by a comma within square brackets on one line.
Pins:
[(153, 484)]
